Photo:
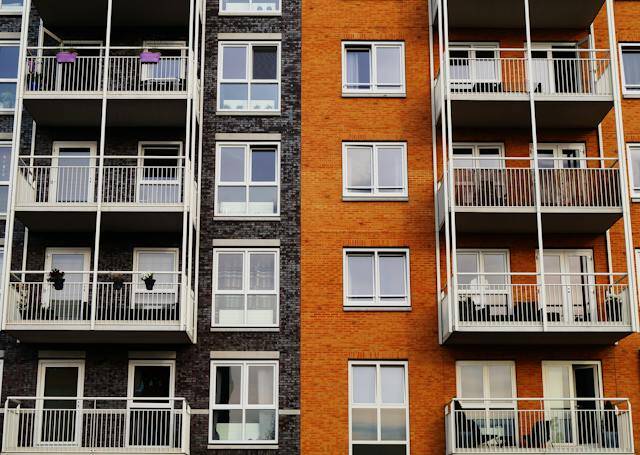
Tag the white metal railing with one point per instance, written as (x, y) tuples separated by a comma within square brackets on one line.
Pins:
[(121, 298), (563, 72), (510, 182), (505, 300), (96, 425), (83, 73), (537, 425), (127, 180)]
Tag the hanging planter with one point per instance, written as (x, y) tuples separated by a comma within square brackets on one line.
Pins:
[(66, 56), (56, 277), (149, 281), (118, 281), (149, 57)]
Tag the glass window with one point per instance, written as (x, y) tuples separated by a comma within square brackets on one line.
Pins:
[(375, 170), (246, 285), (249, 77), (379, 408), (11, 4), (481, 156), (253, 7), (634, 159), (244, 402), (5, 167), (376, 68), (483, 384), (631, 67), (376, 278), (247, 180)]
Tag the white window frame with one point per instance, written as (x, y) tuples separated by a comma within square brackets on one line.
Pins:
[(248, 80), (245, 364), (375, 193), (479, 255), (53, 177), (138, 287), (154, 363), (375, 302), (6, 183), (250, 11), (143, 147), (633, 148), (487, 400), (628, 92), (476, 147), (247, 183), (10, 80), (472, 47), (379, 405), (373, 90), (246, 292), (48, 257), (146, 74), (11, 10), (558, 158)]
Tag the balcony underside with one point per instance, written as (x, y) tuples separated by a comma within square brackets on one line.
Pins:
[(513, 111), (83, 111), (112, 334), (577, 14), (70, 219), (535, 336)]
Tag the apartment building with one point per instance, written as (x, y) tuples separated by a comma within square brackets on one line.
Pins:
[(151, 286), (474, 290)]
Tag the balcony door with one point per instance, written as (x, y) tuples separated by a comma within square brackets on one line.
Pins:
[(72, 176), (556, 68), (58, 420), (571, 391), (71, 300), (479, 178), (561, 183), (151, 420), (161, 299), (569, 286), (159, 173)]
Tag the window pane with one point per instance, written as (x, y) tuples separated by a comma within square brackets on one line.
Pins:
[(232, 164), (379, 449), (263, 200), (151, 381), (487, 158), (359, 68), (5, 162), (635, 167), (234, 96), (471, 381), (360, 275), (234, 63), (262, 272), (265, 62), (631, 64), (393, 423), (364, 424), (261, 425), (500, 381), (364, 384), (7, 95), (228, 384), (229, 309), (232, 200), (261, 385), (467, 263), (227, 425), (263, 165), (9, 61), (392, 378), (495, 263), (4, 197), (359, 167), (264, 96), (235, 5), (389, 66), (390, 168), (12, 2), (262, 310), (230, 271), (392, 275), (463, 158)]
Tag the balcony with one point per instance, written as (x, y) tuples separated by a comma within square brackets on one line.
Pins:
[(117, 308), (577, 308), (96, 425), (572, 87), (147, 192), (583, 197), (538, 425), (141, 93)]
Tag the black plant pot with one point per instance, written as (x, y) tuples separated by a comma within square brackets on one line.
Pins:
[(118, 285), (58, 284), (149, 283)]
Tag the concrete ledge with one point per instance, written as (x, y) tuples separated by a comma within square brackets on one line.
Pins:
[(377, 308), (248, 136), (248, 355), (222, 243), (249, 36)]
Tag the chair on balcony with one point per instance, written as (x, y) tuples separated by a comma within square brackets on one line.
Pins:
[(468, 433), (539, 437), (610, 438)]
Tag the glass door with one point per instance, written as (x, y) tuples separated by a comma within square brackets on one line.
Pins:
[(72, 173), (158, 292), (159, 174), (68, 299)]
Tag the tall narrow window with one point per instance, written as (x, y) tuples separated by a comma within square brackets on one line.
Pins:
[(250, 7), (633, 151), (374, 170), (630, 68), (5, 168), (379, 410), (243, 402), (375, 68), (249, 76), (9, 55)]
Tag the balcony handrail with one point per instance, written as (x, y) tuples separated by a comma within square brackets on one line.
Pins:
[(524, 49), (100, 272), (21, 398), (541, 400), (140, 157), (546, 273), (82, 47)]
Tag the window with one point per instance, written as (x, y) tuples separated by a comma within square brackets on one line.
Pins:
[(250, 7), (377, 170), (630, 68), (161, 294), (378, 278), (246, 288), (172, 64), (11, 5), (473, 156), (160, 169), (633, 151), (249, 76), (378, 408), (248, 180), (244, 402), (473, 65), (483, 384), (561, 156), (5, 169), (9, 55), (373, 68)]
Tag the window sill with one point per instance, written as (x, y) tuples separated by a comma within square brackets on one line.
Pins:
[(242, 447), (635, 198), (373, 95), (246, 218), (631, 95), (377, 308), (249, 13), (7, 112), (250, 113), (245, 329), (375, 198), (10, 12)]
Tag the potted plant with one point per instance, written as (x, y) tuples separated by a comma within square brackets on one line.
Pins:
[(67, 56), (57, 278), (149, 281), (150, 57), (613, 308), (118, 281)]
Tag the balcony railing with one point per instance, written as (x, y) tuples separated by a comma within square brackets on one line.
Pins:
[(96, 425), (563, 72), (536, 425), (571, 183), (82, 73), (127, 181), (122, 299)]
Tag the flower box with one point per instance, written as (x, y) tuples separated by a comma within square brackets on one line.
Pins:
[(66, 57), (150, 57)]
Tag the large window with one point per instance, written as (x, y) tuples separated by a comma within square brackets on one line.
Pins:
[(480, 155), (250, 7), (247, 180), (246, 288), (243, 402), (634, 164), (375, 68), (376, 278), (630, 68), (483, 384), (378, 408), (374, 170), (9, 54), (249, 77)]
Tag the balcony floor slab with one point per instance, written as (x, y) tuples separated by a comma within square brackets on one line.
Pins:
[(535, 336), (73, 333)]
